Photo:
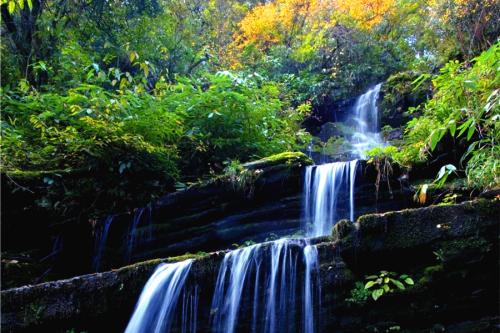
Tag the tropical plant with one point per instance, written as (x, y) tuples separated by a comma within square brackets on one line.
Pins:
[(387, 282)]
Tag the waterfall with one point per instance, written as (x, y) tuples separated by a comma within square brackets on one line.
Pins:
[(311, 263), (276, 307), (365, 118), (329, 188), (269, 287), (131, 234), (100, 242), (135, 236), (189, 315), (155, 311)]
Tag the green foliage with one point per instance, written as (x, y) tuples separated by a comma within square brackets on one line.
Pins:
[(244, 244), (229, 116), (191, 128), (386, 282), (359, 295), (454, 251), (449, 199), (444, 172), (401, 91), (465, 106), (188, 255)]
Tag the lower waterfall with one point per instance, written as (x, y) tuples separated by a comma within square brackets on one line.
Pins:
[(156, 309), (274, 286)]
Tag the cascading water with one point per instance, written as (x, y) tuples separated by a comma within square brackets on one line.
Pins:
[(265, 278), (365, 118), (131, 235), (271, 287), (312, 265), (330, 187), (135, 235), (327, 187), (155, 311), (100, 242), (189, 315)]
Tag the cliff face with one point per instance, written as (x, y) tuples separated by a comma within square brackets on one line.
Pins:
[(451, 253), (259, 202)]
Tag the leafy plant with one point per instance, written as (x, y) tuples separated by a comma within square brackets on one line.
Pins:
[(359, 294), (465, 107), (386, 282)]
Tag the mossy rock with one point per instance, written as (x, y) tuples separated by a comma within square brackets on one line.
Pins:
[(297, 159), (398, 95)]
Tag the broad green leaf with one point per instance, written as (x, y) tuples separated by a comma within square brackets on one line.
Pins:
[(465, 126), (409, 281), (30, 4), (453, 127), (370, 284), (398, 284), (132, 56), (377, 293), (436, 136), (470, 149), (470, 84), (471, 131), (11, 6)]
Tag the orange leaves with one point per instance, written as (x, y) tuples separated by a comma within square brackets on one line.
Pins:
[(278, 21), (261, 26), (367, 13)]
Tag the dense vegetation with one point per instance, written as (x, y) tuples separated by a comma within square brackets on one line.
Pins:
[(136, 98)]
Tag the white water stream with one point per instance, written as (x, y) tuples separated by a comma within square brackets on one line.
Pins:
[(270, 287)]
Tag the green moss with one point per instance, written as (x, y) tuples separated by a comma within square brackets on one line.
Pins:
[(458, 250), (342, 229), (289, 158), (33, 313), (428, 275), (243, 178), (198, 255)]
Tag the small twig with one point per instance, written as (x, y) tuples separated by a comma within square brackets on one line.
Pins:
[(21, 187)]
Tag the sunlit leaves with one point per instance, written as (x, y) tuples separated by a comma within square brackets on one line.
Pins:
[(16, 5), (367, 13), (465, 105), (386, 282)]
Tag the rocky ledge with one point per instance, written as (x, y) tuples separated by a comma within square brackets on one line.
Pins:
[(451, 252)]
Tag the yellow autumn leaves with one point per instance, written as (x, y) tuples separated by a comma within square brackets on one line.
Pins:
[(274, 22)]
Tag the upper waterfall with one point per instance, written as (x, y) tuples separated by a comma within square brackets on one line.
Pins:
[(365, 118), (329, 188)]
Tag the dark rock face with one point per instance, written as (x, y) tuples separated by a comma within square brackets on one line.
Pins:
[(398, 94), (261, 202), (253, 204), (216, 215), (450, 251), (454, 291)]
